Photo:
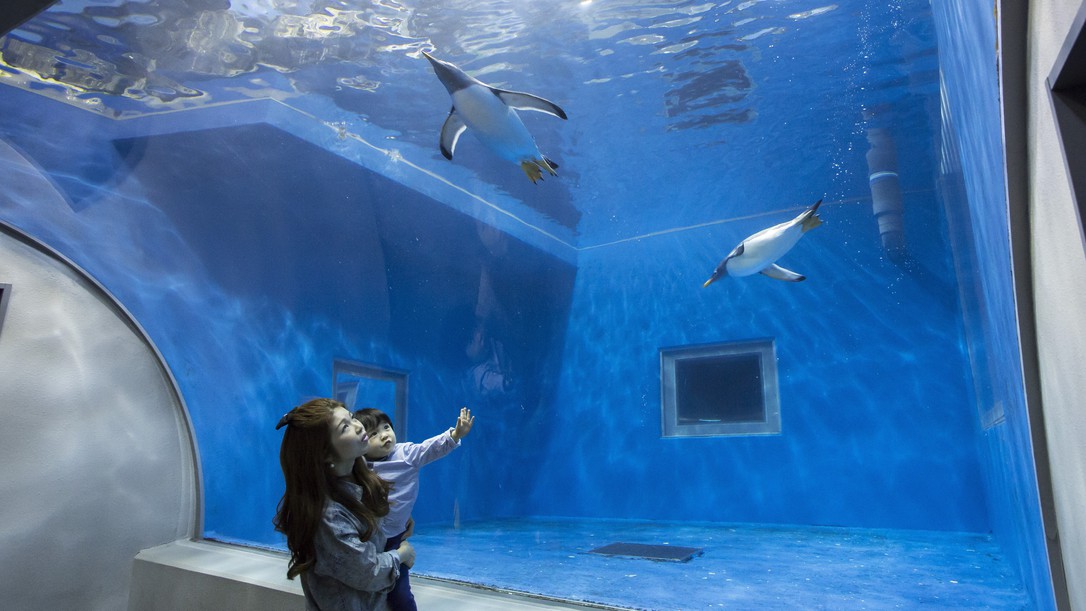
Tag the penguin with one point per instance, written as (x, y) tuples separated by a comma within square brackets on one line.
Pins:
[(491, 115), (759, 252)]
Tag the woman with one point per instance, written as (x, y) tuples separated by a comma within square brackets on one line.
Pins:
[(330, 510)]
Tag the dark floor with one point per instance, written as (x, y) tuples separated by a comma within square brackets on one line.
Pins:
[(741, 566)]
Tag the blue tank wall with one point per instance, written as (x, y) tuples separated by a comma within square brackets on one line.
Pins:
[(968, 57), (878, 427), (254, 260)]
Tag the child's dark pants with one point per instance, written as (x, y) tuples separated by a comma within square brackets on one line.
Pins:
[(400, 598)]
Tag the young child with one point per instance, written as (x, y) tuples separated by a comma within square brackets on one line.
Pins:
[(331, 510), (399, 464)]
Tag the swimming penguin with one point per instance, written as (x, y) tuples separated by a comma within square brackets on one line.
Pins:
[(490, 114), (759, 252)]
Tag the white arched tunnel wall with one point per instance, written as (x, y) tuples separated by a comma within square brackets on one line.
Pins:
[(99, 459)]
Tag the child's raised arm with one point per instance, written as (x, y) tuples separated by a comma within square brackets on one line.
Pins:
[(463, 424)]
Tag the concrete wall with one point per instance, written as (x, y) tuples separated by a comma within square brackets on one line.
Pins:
[(98, 460), (1059, 284)]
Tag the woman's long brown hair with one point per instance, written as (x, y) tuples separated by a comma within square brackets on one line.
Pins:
[(310, 483)]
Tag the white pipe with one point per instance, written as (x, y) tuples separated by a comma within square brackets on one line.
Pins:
[(886, 200)]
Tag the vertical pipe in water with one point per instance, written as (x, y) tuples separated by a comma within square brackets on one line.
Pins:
[(886, 200)]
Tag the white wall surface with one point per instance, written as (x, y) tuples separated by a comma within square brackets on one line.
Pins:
[(1059, 272), (98, 461)]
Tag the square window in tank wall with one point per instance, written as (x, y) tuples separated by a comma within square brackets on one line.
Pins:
[(720, 389), (359, 385)]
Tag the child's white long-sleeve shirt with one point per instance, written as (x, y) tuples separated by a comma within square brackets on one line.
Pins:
[(401, 467)]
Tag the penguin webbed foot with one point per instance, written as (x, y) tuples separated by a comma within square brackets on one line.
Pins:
[(534, 168), (812, 220)]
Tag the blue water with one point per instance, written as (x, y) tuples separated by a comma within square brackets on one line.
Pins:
[(259, 184)]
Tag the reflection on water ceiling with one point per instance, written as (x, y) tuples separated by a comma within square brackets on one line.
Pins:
[(729, 89), (168, 53)]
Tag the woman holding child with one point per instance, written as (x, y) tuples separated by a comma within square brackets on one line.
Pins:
[(331, 509)]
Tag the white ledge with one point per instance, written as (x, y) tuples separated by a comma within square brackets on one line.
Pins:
[(190, 575)]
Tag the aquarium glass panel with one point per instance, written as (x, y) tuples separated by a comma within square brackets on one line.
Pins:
[(729, 276)]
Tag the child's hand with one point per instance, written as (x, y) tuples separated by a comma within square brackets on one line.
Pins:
[(463, 424), (407, 554)]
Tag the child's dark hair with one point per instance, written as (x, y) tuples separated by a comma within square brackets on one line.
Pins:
[(372, 418)]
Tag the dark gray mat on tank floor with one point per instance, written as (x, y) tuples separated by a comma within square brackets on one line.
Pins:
[(648, 551)]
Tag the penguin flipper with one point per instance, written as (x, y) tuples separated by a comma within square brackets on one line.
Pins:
[(779, 273), (450, 133), (527, 101)]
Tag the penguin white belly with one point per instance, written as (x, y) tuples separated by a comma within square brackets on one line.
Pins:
[(764, 248), (494, 124)]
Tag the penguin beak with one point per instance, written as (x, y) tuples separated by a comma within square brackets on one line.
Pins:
[(716, 276), (444, 71), (435, 62)]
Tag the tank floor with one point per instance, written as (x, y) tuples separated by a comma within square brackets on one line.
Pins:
[(741, 566)]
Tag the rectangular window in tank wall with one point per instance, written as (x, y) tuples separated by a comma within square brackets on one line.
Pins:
[(358, 385), (720, 389), (5, 294)]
